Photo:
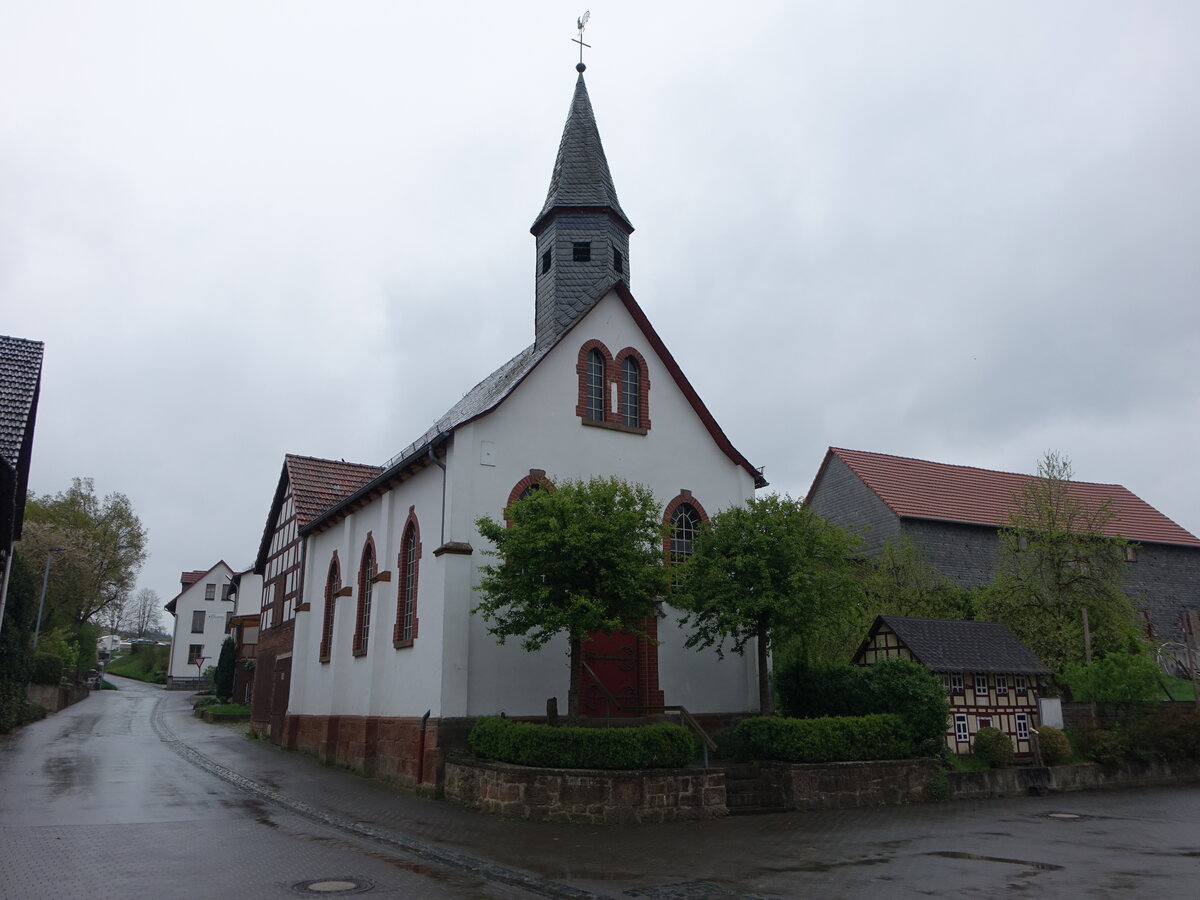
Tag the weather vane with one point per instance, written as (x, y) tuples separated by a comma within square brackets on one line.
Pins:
[(581, 23)]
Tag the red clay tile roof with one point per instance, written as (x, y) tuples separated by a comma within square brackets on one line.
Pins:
[(319, 483), (917, 489), (186, 578)]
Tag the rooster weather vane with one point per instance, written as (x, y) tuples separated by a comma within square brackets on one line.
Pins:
[(581, 23)]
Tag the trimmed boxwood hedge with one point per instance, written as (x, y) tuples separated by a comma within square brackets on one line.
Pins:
[(829, 739), (658, 746)]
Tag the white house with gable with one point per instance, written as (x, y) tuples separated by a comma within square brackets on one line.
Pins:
[(384, 631), (203, 611)]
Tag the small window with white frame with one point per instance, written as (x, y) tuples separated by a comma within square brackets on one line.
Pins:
[(981, 687), (1020, 685), (945, 678), (956, 683), (1001, 685), (1022, 726), (960, 727)]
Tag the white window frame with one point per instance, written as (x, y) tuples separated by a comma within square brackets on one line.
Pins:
[(956, 683), (978, 680), (961, 732), (945, 679), (1001, 685), (1020, 685), (1022, 726)]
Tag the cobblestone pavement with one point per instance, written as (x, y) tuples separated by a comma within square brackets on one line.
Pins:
[(131, 792)]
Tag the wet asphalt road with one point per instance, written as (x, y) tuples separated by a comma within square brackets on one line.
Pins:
[(125, 794)]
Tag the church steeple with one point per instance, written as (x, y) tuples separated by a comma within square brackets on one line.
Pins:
[(582, 233)]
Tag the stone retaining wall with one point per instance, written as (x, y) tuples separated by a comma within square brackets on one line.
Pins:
[(54, 698), (1038, 780), (846, 785), (587, 795)]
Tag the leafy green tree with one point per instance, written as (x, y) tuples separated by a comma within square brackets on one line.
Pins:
[(900, 581), (1055, 562), (583, 557), (105, 548), (769, 570), (1126, 680)]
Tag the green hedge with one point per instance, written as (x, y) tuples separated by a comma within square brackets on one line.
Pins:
[(658, 746), (829, 739), (47, 669)]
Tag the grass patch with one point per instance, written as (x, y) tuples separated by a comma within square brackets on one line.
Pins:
[(148, 663), (1180, 689), (229, 709)]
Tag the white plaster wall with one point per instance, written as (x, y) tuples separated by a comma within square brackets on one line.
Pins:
[(386, 681), (537, 428), (214, 623)]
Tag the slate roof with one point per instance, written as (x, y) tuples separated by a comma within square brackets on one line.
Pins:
[(955, 645), (918, 489), (20, 378), (581, 177)]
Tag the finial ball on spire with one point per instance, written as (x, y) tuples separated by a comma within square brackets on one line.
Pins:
[(580, 67)]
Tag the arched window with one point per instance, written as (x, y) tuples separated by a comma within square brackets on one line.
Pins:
[(631, 402), (536, 480), (333, 587), (685, 522), (594, 400), (405, 631), (366, 584)]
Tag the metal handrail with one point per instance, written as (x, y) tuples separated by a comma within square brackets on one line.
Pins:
[(684, 716)]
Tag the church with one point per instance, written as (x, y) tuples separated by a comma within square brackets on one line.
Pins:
[(388, 666)]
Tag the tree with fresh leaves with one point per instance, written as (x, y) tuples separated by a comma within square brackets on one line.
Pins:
[(105, 548), (1057, 560), (583, 557), (900, 581), (769, 571)]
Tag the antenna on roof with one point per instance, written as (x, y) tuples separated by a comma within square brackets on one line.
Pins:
[(581, 23)]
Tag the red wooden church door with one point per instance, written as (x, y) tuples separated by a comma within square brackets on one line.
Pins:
[(614, 660)]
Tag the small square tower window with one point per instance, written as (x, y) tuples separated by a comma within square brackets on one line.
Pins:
[(581, 251), (546, 259)]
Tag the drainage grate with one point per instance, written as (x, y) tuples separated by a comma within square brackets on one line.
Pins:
[(333, 887)]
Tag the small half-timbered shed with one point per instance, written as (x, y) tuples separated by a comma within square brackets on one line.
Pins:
[(992, 678)]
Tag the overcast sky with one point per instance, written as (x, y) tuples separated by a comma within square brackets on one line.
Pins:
[(963, 232)]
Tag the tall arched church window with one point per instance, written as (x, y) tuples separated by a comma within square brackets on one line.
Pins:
[(366, 585), (407, 564), (631, 401), (333, 587), (535, 481), (683, 516), (594, 401)]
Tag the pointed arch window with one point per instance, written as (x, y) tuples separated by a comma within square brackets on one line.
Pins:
[(366, 584), (333, 590), (407, 566)]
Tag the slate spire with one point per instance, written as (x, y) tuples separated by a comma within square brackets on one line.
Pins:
[(582, 233)]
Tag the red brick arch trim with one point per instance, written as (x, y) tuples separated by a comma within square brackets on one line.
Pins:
[(536, 478), (333, 590), (368, 566), (643, 389), (581, 407), (408, 567), (685, 496)]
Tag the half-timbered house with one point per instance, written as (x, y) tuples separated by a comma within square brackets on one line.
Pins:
[(992, 679)]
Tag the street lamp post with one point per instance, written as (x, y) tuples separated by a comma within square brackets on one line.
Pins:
[(37, 630)]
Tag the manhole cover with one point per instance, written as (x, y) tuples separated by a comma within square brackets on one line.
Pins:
[(1063, 816), (332, 887)]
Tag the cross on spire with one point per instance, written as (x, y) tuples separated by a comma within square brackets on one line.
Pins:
[(581, 23)]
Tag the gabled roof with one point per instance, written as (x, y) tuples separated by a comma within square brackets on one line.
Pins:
[(169, 606), (581, 178), (20, 378), (918, 489), (490, 393), (316, 485), (955, 645)]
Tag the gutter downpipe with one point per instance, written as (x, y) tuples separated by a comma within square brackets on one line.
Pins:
[(421, 747), (432, 457)]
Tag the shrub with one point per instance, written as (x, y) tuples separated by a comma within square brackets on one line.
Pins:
[(827, 739), (223, 679), (1055, 746), (47, 668), (897, 686), (1102, 745), (1121, 679), (656, 746), (993, 747)]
